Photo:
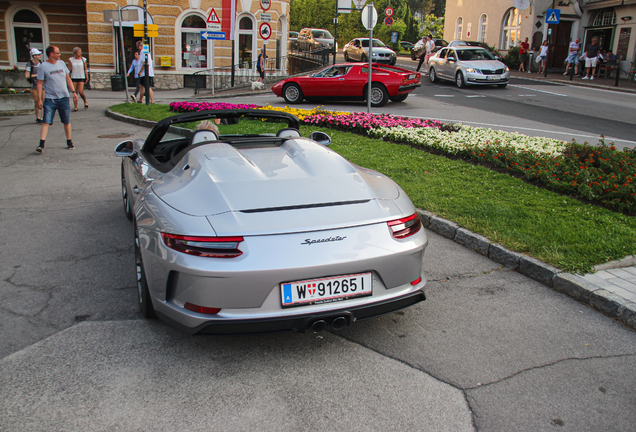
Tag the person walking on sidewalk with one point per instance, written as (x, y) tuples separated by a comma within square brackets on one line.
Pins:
[(573, 56), (141, 72), (79, 74), (133, 69), (54, 81), (31, 74), (591, 58), (523, 55), (543, 57)]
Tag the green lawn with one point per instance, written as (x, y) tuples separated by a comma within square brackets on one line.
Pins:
[(556, 229)]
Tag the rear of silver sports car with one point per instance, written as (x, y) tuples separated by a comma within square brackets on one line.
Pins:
[(290, 281), (277, 239)]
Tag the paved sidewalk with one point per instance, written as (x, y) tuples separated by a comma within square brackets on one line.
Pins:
[(558, 77)]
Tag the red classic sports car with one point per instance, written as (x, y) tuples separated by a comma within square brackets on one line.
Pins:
[(349, 81)]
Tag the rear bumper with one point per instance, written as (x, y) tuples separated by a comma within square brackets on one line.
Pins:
[(300, 323), (409, 87)]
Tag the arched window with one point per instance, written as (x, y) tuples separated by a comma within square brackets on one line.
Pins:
[(459, 26), (511, 29), (194, 51), (27, 32), (483, 24), (246, 41), (604, 17)]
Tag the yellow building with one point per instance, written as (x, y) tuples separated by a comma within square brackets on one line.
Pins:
[(177, 52)]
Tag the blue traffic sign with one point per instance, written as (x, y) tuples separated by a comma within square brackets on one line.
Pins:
[(205, 34), (552, 16)]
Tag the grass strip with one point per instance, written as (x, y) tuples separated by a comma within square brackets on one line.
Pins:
[(558, 230)]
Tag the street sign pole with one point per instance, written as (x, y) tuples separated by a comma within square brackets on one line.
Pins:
[(370, 5), (146, 79), (123, 51)]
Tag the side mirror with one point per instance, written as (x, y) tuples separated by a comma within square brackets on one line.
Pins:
[(125, 149), (320, 138)]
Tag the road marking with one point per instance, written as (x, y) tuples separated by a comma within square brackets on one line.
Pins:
[(528, 95), (441, 95), (542, 91), (472, 96)]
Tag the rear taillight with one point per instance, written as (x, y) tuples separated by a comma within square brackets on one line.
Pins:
[(405, 227), (210, 247), (202, 309)]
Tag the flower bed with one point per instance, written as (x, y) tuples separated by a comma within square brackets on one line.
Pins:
[(600, 174)]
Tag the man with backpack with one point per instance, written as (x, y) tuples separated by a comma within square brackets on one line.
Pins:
[(31, 74)]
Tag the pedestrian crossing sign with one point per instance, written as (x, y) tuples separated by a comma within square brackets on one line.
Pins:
[(552, 16)]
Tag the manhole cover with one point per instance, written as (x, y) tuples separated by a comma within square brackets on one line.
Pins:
[(118, 135)]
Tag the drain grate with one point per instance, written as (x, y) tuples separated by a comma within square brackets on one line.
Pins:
[(118, 135)]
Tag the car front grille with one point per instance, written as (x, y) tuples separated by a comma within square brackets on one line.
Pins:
[(492, 72)]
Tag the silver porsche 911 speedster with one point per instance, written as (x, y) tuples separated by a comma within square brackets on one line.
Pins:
[(247, 227)]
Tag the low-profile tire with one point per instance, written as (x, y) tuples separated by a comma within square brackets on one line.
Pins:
[(432, 75), (399, 98), (124, 194), (292, 93), (459, 80), (143, 293), (364, 58), (393, 62), (502, 85), (379, 95), (346, 56)]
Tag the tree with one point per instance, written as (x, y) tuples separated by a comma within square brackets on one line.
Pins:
[(432, 25)]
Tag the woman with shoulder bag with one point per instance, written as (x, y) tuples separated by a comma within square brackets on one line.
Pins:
[(79, 74)]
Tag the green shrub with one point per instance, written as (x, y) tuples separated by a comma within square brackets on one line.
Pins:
[(512, 58)]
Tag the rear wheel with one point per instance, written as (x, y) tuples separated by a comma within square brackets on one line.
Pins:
[(143, 293), (124, 194), (399, 98), (364, 58), (459, 80), (346, 56), (293, 93), (433, 76), (379, 96)]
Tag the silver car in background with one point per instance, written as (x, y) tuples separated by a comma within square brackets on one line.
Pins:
[(264, 232), (358, 50), (468, 66)]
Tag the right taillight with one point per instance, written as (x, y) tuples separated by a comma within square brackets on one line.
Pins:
[(401, 228)]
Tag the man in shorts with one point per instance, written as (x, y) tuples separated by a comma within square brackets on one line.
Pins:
[(141, 72), (523, 55), (54, 81), (573, 56), (591, 57), (31, 74)]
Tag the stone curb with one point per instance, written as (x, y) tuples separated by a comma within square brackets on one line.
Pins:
[(572, 285)]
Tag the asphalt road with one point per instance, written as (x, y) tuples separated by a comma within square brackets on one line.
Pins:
[(489, 350)]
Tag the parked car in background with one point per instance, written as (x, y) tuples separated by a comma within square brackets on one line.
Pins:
[(407, 46), (292, 40), (439, 43), (310, 39), (358, 50), (468, 65), (264, 232), (349, 81), (475, 44)]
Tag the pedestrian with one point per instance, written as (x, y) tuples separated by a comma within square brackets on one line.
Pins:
[(591, 57), (260, 65), (54, 81), (31, 74), (133, 69), (523, 55), (543, 57), (430, 46), (420, 45), (573, 56), (141, 72), (79, 74)]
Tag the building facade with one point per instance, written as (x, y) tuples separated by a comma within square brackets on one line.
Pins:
[(178, 51), (502, 25)]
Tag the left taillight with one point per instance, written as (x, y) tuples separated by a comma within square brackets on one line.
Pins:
[(210, 247), (401, 228)]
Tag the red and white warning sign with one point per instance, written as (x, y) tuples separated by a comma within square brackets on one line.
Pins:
[(213, 17), (265, 30)]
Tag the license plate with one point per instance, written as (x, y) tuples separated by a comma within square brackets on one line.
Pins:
[(326, 290), (412, 76), (494, 77)]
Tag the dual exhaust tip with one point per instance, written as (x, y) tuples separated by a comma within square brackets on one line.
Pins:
[(337, 323)]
